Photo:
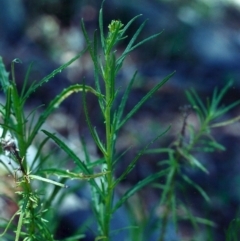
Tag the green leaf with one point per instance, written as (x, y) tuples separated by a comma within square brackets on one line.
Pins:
[(225, 123), (196, 186), (93, 50), (134, 161), (51, 75), (144, 99), (43, 179), (124, 100), (7, 114), (97, 71), (25, 81), (137, 187), (129, 24), (32, 122), (142, 42), (112, 78), (20, 125), (159, 150), (17, 61), (213, 144), (70, 153), (101, 27), (133, 39), (121, 155), (96, 163), (205, 221), (218, 97), (193, 161), (86, 153), (197, 103), (168, 186), (174, 210), (195, 220), (74, 238), (55, 103), (4, 76), (90, 126), (74, 157), (70, 174), (9, 223), (224, 110), (20, 224), (39, 151), (130, 46), (232, 233)]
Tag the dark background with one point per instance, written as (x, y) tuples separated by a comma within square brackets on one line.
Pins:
[(201, 41)]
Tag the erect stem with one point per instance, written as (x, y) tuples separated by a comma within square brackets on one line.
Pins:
[(109, 149)]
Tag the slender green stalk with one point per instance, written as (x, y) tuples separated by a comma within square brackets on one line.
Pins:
[(107, 68), (108, 158)]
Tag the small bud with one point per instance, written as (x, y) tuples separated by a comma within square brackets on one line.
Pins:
[(115, 25)]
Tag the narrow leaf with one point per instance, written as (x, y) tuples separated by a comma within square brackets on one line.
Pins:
[(205, 221), (92, 48), (43, 179), (90, 126), (224, 110), (7, 115), (196, 186), (9, 223), (120, 60), (168, 186), (125, 98), (74, 157), (134, 161), (143, 41), (131, 42), (159, 150), (25, 81), (144, 99), (71, 154), (193, 161), (39, 151), (225, 123), (129, 24), (101, 27), (51, 75), (223, 92), (4, 76), (71, 175), (137, 187), (75, 237), (197, 103), (55, 103)]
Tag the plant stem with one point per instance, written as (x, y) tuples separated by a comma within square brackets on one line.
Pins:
[(109, 152), (169, 195)]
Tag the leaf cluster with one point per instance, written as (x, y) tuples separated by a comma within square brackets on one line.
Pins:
[(182, 153)]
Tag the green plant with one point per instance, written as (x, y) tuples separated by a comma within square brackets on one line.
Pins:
[(19, 132), (232, 233), (31, 224), (182, 154), (33, 206)]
